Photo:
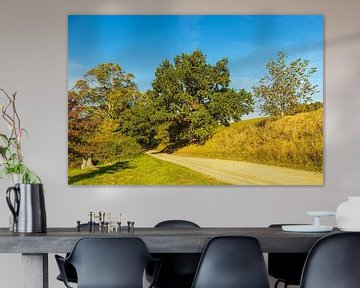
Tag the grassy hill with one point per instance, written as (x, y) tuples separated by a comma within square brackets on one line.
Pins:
[(292, 141)]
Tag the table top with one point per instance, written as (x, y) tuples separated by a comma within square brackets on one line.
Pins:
[(158, 240)]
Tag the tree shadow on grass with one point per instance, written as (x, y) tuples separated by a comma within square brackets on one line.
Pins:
[(171, 148), (110, 169)]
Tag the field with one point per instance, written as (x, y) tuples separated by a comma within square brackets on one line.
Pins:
[(292, 141), (142, 170)]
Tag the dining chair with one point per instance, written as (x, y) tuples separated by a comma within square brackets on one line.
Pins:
[(108, 263), (178, 269), (70, 271), (232, 262), (285, 267), (333, 262)]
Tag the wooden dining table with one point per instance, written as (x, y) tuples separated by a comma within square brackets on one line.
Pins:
[(35, 247)]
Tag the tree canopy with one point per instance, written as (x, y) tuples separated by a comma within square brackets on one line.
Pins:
[(95, 106), (189, 98), (192, 97), (285, 86)]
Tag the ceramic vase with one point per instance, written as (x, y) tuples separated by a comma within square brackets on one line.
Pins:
[(348, 214)]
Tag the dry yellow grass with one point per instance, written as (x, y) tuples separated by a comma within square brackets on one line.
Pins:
[(292, 141)]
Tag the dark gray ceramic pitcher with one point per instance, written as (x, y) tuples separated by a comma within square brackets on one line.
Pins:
[(27, 207)]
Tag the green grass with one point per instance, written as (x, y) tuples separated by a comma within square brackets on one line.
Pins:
[(292, 141), (142, 170)]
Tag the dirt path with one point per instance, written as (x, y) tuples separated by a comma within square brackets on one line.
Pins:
[(244, 173)]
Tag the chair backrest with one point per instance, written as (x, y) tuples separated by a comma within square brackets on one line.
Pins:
[(333, 262), (286, 267), (178, 269), (110, 262), (176, 224), (232, 262)]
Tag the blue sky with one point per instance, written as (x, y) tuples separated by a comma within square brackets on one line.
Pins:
[(139, 43)]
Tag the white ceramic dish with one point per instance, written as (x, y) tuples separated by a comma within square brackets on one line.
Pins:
[(321, 213), (306, 228)]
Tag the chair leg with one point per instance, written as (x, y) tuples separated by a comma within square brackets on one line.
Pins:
[(278, 282)]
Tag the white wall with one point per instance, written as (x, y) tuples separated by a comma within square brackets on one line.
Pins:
[(33, 62)]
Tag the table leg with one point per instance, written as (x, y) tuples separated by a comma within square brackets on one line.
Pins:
[(35, 270)]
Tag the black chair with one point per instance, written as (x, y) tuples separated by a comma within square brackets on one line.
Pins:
[(69, 269), (286, 267), (232, 262), (178, 269), (108, 263), (333, 262), (176, 224)]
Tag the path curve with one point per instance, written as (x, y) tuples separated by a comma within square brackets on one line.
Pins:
[(243, 173)]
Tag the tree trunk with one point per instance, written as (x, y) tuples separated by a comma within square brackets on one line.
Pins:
[(87, 163)]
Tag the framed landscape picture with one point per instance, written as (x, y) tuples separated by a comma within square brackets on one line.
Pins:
[(195, 100)]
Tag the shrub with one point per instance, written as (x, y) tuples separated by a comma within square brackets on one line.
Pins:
[(111, 148)]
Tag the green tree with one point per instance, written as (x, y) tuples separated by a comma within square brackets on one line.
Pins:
[(139, 122), (80, 130), (95, 106), (106, 91), (285, 86), (192, 97)]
